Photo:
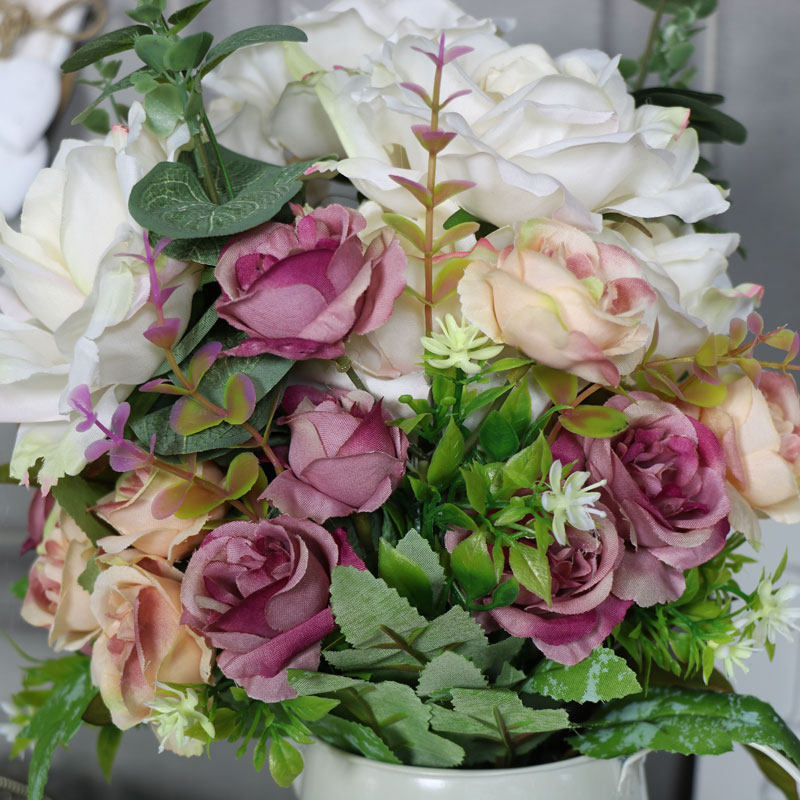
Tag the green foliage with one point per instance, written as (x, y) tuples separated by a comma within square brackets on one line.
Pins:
[(77, 495), (19, 588), (354, 737), (448, 671), (447, 456), (248, 37), (108, 741), (106, 45), (596, 422)]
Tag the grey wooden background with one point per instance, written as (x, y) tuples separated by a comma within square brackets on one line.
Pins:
[(748, 53)]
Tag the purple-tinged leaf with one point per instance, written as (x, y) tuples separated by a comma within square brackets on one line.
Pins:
[(97, 449), (452, 53), (163, 386), (188, 417), (446, 189), (437, 58), (781, 339), (755, 323), (126, 457), (433, 141), (81, 400), (793, 350), (705, 395), (164, 335), (737, 331), (707, 354), (454, 96), (407, 229), (419, 91), (752, 368), (455, 234), (169, 500), (198, 502), (594, 422), (240, 399), (415, 188), (242, 475), (202, 361), (663, 383), (561, 387), (710, 375), (120, 419)]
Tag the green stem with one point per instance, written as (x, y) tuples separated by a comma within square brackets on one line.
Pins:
[(403, 645), (215, 146), (205, 168), (648, 50)]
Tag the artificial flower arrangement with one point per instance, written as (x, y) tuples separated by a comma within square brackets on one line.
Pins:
[(398, 400)]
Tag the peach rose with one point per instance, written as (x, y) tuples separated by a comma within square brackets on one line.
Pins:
[(760, 432), (54, 599), (127, 510), (137, 600), (562, 299)]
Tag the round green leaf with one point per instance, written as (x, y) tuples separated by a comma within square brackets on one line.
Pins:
[(164, 108), (595, 422), (187, 53)]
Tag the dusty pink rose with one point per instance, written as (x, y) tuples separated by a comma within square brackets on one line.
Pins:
[(760, 431), (300, 290), (128, 511), (260, 592), (343, 457), (562, 299), (137, 601), (584, 608), (54, 599), (665, 490)]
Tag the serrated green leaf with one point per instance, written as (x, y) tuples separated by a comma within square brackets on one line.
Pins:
[(285, 761), (473, 567), (685, 721), (76, 496), (595, 422), (454, 627), (310, 709), (306, 682), (187, 53), (447, 456), (497, 437), (417, 550), (353, 737), (361, 622), (108, 739), (405, 576), (250, 36), (447, 671), (508, 677), (102, 46), (90, 574), (171, 201), (600, 677)]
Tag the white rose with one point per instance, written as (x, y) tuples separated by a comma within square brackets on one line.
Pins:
[(72, 311), (540, 137), (268, 107), (688, 270)]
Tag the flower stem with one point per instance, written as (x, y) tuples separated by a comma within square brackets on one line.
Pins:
[(204, 167), (651, 41), (215, 145)]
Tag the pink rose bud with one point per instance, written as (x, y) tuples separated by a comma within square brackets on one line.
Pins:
[(260, 592), (300, 290), (343, 457)]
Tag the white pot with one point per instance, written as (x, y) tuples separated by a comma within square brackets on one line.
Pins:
[(332, 774)]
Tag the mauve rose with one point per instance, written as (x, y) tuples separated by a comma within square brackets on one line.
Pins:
[(584, 608), (260, 592), (55, 600), (137, 601), (343, 457), (128, 510), (300, 290), (38, 512), (666, 490)]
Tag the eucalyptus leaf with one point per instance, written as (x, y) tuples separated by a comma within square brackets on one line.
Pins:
[(183, 16), (102, 46), (248, 37), (187, 53), (123, 83)]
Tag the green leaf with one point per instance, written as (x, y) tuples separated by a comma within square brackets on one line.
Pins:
[(455, 627), (449, 515), (484, 399), (76, 496), (310, 709), (407, 229), (98, 121), (447, 456), (152, 49), (679, 55), (477, 488), (702, 8), (405, 576), (688, 721), (360, 621), (171, 201), (600, 677), (497, 437), (447, 671), (58, 719), (561, 387), (353, 737), (186, 54), (525, 468), (192, 338), (108, 739), (239, 399), (183, 16), (189, 417), (417, 550), (164, 108), (123, 83), (250, 36), (148, 12), (516, 410), (242, 474), (306, 682), (531, 568), (106, 45), (90, 574), (19, 588), (473, 567), (595, 422), (285, 761), (774, 773)]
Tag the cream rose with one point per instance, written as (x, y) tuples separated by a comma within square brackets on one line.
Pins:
[(562, 299), (760, 431), (71, 310), (128, 511), (54, 599), (137, 601)]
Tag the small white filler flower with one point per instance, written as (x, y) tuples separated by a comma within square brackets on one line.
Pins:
[(174, 712), (458, 345), (571, 504), (732, 654), (775, 616)]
